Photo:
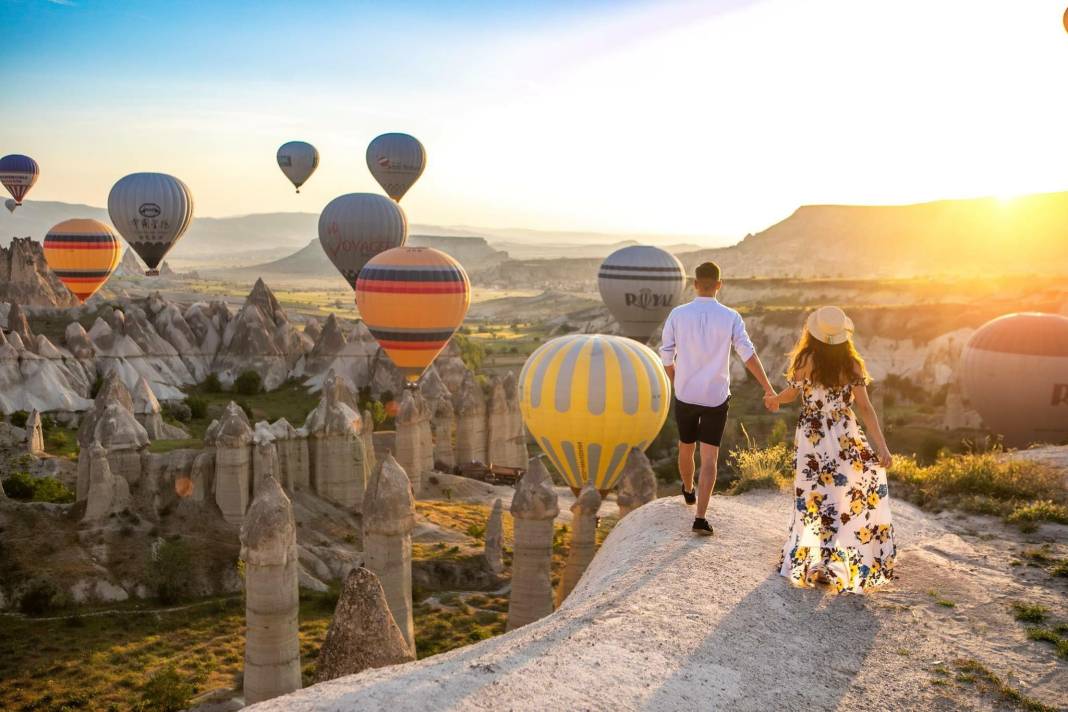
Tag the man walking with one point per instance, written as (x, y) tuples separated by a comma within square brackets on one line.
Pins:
[(695, 350)]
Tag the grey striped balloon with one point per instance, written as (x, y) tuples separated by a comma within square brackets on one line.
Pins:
[(640, 285), (396, 160), (151, 211), (355, 227)]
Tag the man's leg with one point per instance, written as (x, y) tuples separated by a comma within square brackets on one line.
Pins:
[(686, 464), (709, 463)]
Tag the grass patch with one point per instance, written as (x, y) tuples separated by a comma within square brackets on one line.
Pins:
[(983, 483), (290, 401), (770, 467), (941, 600), (1029, 612), (986, 681)]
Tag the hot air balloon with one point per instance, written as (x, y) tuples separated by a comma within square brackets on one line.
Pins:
[(640, 285), (396, 160), (413, 299), (354, 228), (18, 174), (298, 160), (82, 253), (152, 211), (1015, 373), (588, 399), (10, 204)]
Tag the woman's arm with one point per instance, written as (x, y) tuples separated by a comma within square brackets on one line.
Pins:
[(871, 424), (787, 395)]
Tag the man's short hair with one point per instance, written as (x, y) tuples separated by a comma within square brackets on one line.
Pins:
[(707, 272)]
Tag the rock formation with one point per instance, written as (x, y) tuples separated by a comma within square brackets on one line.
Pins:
[(534, 507), (362, 633), (106, 494), (516, 432), (269, 550), (17, 323), (637, 484), (388, 518), (443, 431), (367, 434), (494, 545), (414, 442), (329, 342), (26, 279), (35, 444), (337, 461), (265, 461), (583, 538), (505, 444), (470, 423), (231, 437), (112, 424), (293, 458)]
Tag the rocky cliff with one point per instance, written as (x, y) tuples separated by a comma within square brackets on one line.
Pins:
[(25, 278)]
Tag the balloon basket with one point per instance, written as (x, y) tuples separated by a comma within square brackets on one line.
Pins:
[(151, 272)]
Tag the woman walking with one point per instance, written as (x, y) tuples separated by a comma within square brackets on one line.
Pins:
[(841, 534)]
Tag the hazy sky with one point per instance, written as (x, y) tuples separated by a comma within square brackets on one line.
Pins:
[(707, 118)]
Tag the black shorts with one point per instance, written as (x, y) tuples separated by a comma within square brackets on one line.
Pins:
[(701, 422)]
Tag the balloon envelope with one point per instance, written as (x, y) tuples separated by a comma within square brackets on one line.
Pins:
[(640, 285), (396, 160), (354, 228), (82, 253), (298, 160), (1015, 374), (413, 299), (588, 399), (10, 204), (152, 211), (18, 174)]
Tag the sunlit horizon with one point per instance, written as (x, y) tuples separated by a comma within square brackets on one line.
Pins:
[(678, 119)]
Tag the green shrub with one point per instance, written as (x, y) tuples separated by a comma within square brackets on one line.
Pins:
[(168, 570), (24, 486), (1039, 510), (771, 467), (983, 482), (177, 411), (19, 418), (40, 598), (249, 383), (1029, 612), (166, 691), (211, 384), (198, 406), (471, 352)]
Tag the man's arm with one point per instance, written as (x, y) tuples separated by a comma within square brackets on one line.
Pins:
[(745, 349), (667, 348)]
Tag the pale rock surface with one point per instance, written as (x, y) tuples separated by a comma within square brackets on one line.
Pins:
[(494, 538), (362, 633), (265, 461), (443, 430), (330, 341), (413, 438), (534, 507), (583, 538), (470, 423), (35, 444), (634, 636), (231, 437), (107, 494), (516, 432), (338, 465), (269, 550), (26, 279), (501, 445), (367, 434), (112, 424), (388, 519), (637, 483), (293, 458)]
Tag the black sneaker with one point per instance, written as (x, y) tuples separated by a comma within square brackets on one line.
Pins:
[(701, 526), (691, 496)]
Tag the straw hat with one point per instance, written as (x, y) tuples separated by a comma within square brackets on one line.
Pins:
[(829, 325)]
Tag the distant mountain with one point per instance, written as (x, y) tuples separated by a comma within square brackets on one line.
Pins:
[(978, 236), (311, 261), (556, 250)]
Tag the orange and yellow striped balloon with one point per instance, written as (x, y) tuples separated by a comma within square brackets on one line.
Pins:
[(413, 299), (82, 253)]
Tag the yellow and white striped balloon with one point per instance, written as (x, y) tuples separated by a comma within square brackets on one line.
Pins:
[(588, 399)]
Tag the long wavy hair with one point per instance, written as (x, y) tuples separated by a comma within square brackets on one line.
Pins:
[(830, 365)]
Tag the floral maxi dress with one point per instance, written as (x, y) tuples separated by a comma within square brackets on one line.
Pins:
[(840, 529)]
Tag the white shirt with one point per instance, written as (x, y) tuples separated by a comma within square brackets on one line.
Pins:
[(697, 341)]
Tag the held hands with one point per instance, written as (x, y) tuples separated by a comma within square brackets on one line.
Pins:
[(771, 401)]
